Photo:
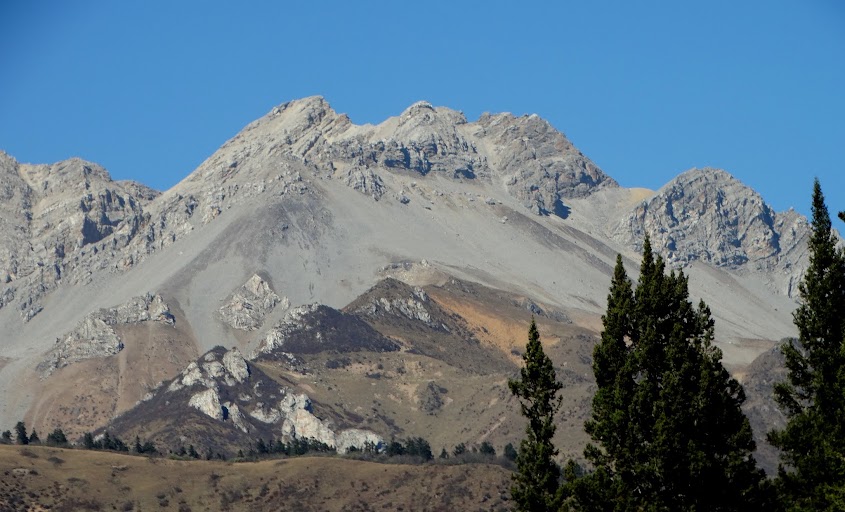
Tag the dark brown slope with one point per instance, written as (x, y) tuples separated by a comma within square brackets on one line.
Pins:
[(423, 326)]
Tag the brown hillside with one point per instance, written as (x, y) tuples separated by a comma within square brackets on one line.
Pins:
[(41, 478)]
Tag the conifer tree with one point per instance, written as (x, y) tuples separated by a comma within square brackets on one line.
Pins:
[(667, 426), (812, 474), (20, 433), (57, 438), (535, 482)]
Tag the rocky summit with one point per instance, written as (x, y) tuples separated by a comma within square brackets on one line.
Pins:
[(386, 273)]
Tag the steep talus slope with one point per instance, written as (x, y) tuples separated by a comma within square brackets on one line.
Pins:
[(708, 215), (759, 379)]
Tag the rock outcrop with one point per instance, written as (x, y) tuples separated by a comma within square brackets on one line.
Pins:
[(248, 306), (708, 215), (537, 163), (534, 162), (315, 328), (411, 306), (226, 388), (58, 222), (95, 335)]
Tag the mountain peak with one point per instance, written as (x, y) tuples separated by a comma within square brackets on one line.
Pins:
[(423, 112), (706, 214), (308, 111)]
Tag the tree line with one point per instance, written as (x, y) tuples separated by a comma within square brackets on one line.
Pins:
[(409, 450), (667, 429)]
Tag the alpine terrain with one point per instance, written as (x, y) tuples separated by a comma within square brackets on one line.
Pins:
[(353, 284)]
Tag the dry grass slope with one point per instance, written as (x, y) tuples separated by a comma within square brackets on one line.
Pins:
[(41, 478)]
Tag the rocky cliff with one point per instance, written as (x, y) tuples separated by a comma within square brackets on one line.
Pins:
[(60, 223), (708, 215)]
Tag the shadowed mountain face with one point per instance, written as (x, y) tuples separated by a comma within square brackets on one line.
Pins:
[(477, 224)]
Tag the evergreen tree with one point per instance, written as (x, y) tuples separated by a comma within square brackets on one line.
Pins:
[(535, 481), (510, 452), (812, 474), (459, 450), (57, 438), (667, 424), (33, 438), (6, 437), (394, 448), (260, 447), (20, 433), (418, 447)]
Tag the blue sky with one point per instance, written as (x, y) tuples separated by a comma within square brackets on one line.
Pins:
[(646, 89)]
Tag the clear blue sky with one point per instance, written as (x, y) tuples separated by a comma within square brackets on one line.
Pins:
[(646, 89)]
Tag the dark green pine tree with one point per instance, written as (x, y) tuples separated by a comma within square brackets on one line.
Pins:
[(20, 433), (535, 482), (812, 474), (667, 426)]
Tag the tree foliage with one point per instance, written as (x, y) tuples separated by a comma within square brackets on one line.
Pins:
[(812, 474), (57, 438), (20, 433), (667, 427), (535, 482)]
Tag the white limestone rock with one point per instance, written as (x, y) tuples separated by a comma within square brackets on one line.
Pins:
[(208, 403), (301, 424), (95, 335), (229, 370), (247, 307), (412, 307), (235, 365), (237, 418), (266, 414), (357, 438), (367, 182)]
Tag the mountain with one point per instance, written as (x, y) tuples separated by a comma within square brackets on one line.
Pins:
[(708, 215), (422, 244)]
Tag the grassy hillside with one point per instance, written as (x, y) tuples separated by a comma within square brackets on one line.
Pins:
[(42, 478)]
